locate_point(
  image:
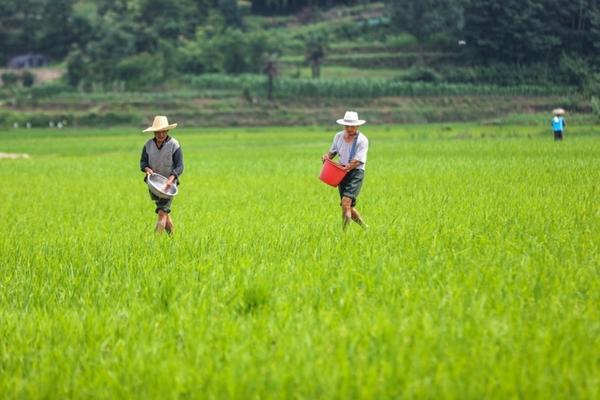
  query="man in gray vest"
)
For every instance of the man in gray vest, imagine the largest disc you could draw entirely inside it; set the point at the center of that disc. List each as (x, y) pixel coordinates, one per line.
(162, 155)
(351, 146)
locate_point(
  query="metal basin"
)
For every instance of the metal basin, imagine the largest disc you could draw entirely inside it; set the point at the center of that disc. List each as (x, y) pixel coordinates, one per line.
(156, 184)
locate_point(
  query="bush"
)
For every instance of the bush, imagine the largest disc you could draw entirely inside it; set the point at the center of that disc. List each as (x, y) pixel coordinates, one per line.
(27, 78)
(575, 71)
(401, 40)
(140, 70)
(503, 75)
(595, 102)
(75, 67)
(9, 78)
(421, 74)
(49, 90)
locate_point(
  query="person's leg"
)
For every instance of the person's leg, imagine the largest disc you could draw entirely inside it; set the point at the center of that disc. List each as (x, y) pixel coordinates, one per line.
(350, 188)
(162, 221)
(356, 217)
(163, 208)
(169, 227)
(346, 204)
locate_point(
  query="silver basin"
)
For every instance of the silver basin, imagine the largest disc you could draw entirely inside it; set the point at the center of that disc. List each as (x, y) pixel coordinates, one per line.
(156, 184)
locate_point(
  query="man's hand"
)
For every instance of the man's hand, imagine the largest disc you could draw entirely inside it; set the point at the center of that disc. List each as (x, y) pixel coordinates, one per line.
(351, 165)
(326, 156)
(169, 182)
(148, 171)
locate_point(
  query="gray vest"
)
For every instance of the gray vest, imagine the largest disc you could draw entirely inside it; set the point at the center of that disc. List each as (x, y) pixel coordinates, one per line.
(161, 161)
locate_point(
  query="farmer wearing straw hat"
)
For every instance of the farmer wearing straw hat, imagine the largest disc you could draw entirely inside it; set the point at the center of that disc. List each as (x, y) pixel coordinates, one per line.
(162, 154)
(558, 123)
(351, 146)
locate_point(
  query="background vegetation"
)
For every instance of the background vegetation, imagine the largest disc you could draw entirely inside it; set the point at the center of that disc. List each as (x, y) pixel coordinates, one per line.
(291, 50)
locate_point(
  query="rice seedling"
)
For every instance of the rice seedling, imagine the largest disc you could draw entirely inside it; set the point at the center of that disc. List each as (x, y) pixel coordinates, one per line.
(478, 277)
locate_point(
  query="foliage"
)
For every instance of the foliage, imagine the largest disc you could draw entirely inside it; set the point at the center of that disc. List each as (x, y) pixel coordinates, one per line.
(527, 31)
(27, 78)
(424, 18)
(595, 103)
(575, 71)
(316, 47)
(289, 6)
(140, 70)
(76, 67)
(421, 74)
(9, 78)
(369, 88)
(102, 42)
(233, 51)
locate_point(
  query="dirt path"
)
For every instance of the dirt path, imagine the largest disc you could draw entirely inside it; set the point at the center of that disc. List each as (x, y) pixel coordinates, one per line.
(42, 75)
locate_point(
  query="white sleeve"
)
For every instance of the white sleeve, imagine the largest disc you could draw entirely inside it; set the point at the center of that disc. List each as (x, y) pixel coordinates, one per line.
(361, 151)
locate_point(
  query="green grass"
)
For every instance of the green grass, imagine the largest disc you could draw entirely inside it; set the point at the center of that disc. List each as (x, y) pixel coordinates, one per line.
(340, 72)
(478, 277)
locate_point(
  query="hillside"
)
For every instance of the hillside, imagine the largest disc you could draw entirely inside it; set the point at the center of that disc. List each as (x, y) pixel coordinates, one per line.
(325, 61)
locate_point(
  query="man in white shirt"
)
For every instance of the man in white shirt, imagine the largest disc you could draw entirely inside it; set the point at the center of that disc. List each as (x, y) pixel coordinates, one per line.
(351, 146)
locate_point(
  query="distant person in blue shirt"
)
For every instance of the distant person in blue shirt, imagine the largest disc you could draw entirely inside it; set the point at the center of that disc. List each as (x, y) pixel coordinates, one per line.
(558, 124)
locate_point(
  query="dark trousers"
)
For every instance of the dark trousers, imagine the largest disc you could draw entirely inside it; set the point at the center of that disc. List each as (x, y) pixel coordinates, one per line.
(558, 135)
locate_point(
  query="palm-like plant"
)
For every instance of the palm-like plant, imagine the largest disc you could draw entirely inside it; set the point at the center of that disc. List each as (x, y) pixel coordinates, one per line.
(271, 69)
(314, 52)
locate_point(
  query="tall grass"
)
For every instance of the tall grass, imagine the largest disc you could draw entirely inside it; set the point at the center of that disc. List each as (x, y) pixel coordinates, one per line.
(478, 277)
(367, 87)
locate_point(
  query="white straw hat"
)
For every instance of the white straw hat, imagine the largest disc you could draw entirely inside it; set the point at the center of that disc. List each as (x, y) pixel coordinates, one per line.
(351, 119)
(161, 123)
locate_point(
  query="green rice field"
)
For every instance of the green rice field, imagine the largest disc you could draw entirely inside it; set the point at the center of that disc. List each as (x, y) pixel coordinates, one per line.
(478, 277)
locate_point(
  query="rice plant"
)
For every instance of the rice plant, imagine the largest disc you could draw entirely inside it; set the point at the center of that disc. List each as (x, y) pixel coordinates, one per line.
(478, 277)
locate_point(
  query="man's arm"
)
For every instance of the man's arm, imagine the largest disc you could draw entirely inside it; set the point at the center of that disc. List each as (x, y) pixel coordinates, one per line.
(329, 155)
(144, 165)
(177, 167)
(177, 163)
(352, 164)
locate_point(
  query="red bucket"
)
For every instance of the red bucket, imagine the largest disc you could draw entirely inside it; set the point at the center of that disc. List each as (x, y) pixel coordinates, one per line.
(332, 173)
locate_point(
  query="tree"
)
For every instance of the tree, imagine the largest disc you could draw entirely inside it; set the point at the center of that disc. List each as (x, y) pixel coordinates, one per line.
(27, 78)
(231, 13)
(56, 28)
(314, 52)
(526, 31)
(271, 70)
(75, 67)
(114, 41)
(290, 6)
(425, 18)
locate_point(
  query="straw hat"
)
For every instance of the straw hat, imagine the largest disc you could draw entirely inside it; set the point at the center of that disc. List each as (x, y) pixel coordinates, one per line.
(351, 119)
(558, 111)
(161, 123)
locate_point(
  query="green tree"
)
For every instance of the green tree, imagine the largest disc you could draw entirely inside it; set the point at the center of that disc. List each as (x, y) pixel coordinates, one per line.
(425, 18)
(114, 41)
(140, 70)
(76, 67)
(271, 69)
(315, 49)
(231, 12)
(525, 31)
(27, 78)
(56, 28)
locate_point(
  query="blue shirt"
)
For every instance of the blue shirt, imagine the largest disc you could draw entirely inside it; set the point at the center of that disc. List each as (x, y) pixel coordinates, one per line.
(558, 124)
